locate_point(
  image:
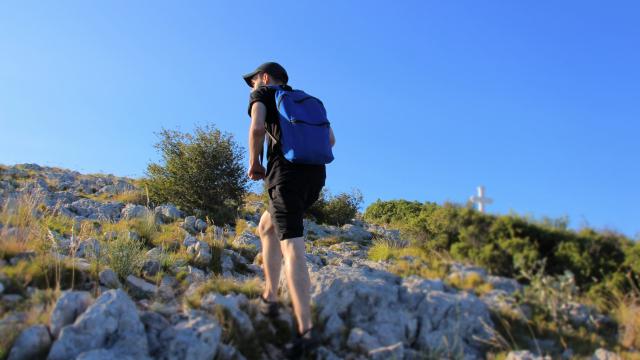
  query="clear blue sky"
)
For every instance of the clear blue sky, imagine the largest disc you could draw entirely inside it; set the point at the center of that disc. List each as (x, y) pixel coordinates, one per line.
(537, 100)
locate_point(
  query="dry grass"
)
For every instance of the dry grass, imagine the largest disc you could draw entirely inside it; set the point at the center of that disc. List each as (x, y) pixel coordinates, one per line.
(471, 282)
(251, 288)
(627, 314)
(242, 226)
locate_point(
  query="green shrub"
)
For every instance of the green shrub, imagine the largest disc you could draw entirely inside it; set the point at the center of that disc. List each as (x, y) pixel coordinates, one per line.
(506, 245)
(202, 173)
(125, 255)
(336, 210)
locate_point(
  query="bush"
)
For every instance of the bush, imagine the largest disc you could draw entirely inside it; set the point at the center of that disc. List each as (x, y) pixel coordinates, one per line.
(509, 244)
(125, 255)
(202, 174)
(336, 210)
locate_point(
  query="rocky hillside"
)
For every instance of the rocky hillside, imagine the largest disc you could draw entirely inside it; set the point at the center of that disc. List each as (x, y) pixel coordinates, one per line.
(88, 271)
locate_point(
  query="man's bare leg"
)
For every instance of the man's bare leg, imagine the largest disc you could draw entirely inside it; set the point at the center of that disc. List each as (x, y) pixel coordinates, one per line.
(298, 280)
(271, 256)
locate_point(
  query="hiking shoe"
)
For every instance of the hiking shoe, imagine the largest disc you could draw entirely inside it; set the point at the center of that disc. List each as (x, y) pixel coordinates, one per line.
(268, 308)
(304, 345)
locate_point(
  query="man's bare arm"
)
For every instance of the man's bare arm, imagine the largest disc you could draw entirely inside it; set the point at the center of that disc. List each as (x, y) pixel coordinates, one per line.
(256, 136)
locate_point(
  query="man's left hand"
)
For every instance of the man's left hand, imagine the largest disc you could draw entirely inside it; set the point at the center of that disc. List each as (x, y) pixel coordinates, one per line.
(256, 172)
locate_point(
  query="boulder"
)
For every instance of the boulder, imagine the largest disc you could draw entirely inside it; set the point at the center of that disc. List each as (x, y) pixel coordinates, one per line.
(200, 225)
(201, 253)
(111, 325)
(355, 233)
(360, 341)
(88, 248)
(150, 267)
(32, 343)
(133, 211)
(414, 311)
(508, 285)
(154, 325)
(109, 279)
(525, 355)
(189, 240)
(248, 238)
(231, 303)
(140, 288)
(68, 307)
(193, 339)
(189, 224)
(95, 210)
(168, 213)
(603, 354)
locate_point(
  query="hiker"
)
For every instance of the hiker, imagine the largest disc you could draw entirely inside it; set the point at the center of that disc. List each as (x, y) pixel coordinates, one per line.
(292, 188)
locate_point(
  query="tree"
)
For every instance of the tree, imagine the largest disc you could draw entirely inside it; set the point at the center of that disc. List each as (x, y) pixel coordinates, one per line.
(201, 174)
(336, 210)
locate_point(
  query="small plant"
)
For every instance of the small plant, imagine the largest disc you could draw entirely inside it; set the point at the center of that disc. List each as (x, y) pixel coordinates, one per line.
(125, 255)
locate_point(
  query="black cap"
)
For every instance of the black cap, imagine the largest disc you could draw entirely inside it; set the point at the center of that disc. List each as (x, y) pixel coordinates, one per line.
(272, 68)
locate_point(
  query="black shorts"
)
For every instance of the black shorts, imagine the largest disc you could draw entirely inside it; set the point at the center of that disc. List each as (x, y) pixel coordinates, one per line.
(287, 204)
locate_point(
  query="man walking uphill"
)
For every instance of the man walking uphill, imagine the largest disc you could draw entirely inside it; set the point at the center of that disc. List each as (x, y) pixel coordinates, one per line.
(293, 186)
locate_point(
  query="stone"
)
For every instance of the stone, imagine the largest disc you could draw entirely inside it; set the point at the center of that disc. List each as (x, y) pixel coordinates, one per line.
(227, 264)
(95, 210)
(201, 253)
(359, 340)
(200, 225)
(189, 224)
(32, 343)
(510, 286)
(228, 352)
(168, 213)
(189, 240)
(194, 275)
(109, 279)
(140, 288)
(154, 325)
(88, 248)
(11, 300)
(603, 354)
(193, 339)
(165, 290)
(423, 285)
(355, 233)
(68, 307)
(525, 355)
(232, 305)
(414, 311)
(150, 267)
(133, 235)
(133, 211)
(502, 302)
(111, 323)
(248, 238)
(22, 256)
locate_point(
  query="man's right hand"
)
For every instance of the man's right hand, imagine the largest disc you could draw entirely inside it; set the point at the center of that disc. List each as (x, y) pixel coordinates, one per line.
(256, 172)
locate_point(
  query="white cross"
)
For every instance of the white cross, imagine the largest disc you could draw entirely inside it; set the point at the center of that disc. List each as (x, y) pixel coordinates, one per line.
(480, 199)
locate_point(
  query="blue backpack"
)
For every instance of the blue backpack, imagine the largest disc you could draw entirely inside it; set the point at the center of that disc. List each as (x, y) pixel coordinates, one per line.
(304, 127)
